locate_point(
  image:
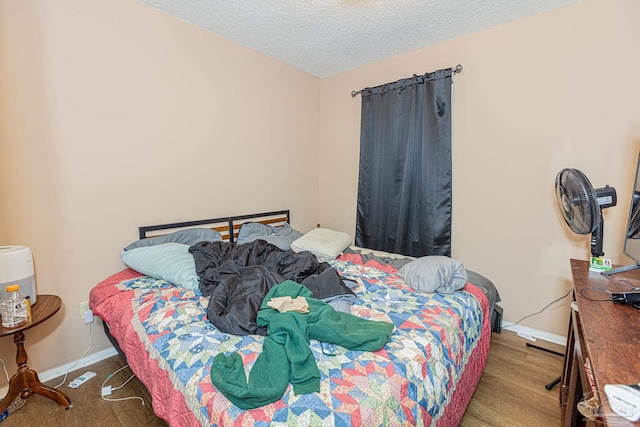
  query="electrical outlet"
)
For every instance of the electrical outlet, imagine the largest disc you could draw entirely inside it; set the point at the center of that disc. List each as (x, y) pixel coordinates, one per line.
(84, 307)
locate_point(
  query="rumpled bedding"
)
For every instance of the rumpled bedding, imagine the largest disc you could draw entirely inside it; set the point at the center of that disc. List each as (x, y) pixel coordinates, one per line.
(425, 374)
(286, 357)
(394, 262)
(236, 279)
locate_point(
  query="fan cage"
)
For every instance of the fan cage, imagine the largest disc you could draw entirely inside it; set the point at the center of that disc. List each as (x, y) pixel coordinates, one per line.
(578, 201)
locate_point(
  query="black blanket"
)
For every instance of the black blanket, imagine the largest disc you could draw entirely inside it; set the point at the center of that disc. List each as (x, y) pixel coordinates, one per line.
(237, 278)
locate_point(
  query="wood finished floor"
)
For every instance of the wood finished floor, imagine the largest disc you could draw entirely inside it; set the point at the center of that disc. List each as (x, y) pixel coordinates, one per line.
(511, 393)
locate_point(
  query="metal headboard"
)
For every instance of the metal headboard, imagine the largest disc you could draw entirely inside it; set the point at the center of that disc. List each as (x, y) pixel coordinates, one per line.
(228, 227)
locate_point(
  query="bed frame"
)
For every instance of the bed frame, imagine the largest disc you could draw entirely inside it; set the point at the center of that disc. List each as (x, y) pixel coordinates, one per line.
(228, 227)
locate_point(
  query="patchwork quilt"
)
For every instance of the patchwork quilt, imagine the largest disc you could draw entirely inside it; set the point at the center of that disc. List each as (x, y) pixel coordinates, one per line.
(425, 375)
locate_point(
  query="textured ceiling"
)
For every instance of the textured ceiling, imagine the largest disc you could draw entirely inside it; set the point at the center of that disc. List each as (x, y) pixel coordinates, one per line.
(326, 37)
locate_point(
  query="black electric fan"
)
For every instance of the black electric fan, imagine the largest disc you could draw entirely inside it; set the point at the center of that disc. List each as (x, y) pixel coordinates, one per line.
(581, 205)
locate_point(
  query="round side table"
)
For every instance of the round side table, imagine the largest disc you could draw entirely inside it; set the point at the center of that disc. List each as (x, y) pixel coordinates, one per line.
(25, 382)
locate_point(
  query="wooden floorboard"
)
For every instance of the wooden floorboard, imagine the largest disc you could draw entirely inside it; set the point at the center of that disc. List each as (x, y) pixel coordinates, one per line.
(88, 407)
(511, 393)
(512, 389)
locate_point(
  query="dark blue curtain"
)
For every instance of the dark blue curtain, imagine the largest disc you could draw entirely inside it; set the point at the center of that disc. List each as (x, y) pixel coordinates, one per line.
(404, 183)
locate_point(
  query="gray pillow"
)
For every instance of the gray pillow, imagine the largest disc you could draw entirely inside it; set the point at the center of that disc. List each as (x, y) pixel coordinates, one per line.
(282, 236)
(434, 274)
(252, 230)
(285, 230)
(189, 237)
(282, 242)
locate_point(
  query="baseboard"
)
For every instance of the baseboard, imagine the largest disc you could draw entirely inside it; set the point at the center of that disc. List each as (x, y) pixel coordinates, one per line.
(60, 371)
(533, 333)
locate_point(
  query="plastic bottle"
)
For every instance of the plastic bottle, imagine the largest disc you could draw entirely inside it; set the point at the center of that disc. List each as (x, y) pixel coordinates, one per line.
(14, 406)
(14, 307)
(28, 309)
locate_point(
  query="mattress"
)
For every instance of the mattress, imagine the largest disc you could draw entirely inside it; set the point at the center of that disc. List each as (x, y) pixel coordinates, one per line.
(425, 374)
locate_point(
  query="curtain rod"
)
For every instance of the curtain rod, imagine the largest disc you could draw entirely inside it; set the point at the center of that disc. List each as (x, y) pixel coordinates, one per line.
(456, 70)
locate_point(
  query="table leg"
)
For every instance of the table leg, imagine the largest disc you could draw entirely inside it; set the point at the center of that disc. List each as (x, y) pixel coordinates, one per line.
(25, 382)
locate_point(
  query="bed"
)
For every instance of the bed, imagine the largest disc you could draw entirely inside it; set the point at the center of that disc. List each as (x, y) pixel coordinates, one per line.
(424, 375)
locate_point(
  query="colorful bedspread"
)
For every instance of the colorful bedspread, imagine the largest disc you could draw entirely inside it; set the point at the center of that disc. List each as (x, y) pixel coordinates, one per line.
(425, 375)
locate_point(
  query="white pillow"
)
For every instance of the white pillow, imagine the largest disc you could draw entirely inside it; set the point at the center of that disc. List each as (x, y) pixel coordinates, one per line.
(323, 243)
(434, 273)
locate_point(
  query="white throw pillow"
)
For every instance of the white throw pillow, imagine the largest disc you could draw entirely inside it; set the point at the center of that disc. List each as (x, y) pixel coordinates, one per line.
(325, 244)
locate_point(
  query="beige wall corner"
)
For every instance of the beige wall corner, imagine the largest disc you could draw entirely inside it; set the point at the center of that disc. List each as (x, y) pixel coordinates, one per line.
(536, 95)
(115, 115)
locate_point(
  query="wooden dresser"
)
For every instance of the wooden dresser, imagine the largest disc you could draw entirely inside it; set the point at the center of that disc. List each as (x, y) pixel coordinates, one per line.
(606, 334)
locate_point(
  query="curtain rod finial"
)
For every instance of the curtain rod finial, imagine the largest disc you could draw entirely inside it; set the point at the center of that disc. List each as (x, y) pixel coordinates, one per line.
(354, 93)
(457, 69)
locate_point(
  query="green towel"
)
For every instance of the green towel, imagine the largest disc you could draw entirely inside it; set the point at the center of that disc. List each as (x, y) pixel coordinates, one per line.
(286, 356)
(227, 373)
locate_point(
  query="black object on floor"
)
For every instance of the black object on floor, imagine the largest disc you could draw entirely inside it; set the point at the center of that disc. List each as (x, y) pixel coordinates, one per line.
(556, 381)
